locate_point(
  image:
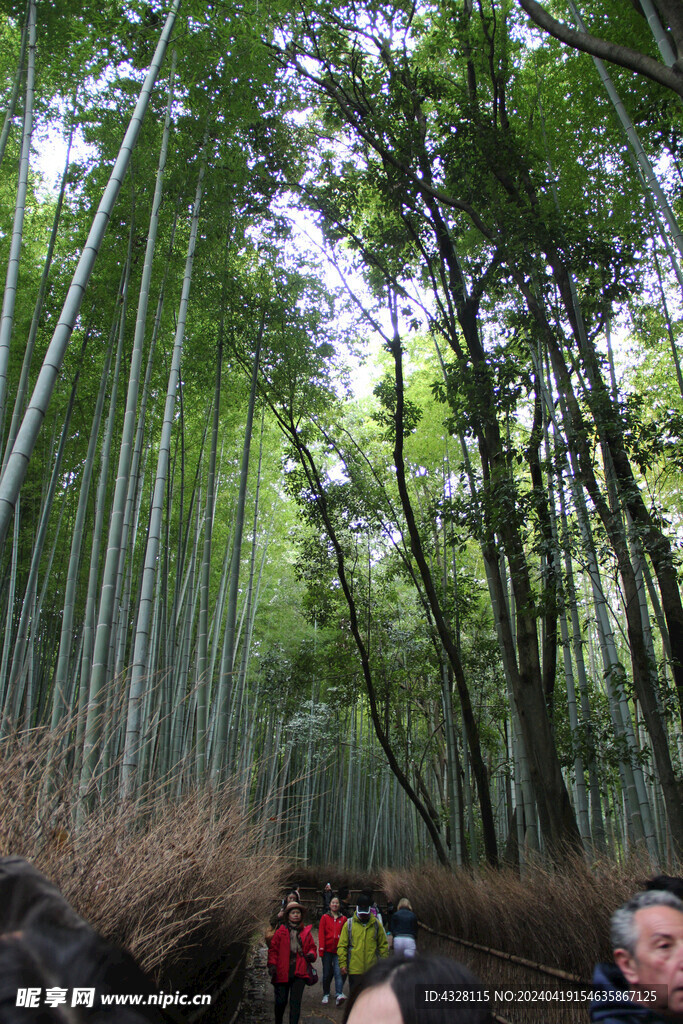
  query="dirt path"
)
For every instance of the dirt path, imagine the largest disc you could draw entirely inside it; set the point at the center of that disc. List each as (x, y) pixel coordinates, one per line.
(257, 1002)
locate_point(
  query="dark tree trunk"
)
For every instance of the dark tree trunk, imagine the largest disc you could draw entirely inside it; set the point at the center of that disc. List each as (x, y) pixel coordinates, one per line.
(450, 647)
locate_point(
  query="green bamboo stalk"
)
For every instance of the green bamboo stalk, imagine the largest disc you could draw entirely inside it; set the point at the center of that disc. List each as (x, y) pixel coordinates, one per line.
(203, 680)
(17, 464)
(142, 629)
(251, 605)
(101, 646)
(22, 388)
(646, 168)
(62, 675)
(660, 36)
(39, 679)
(669, 326)
(121, 507)
(127, 565)
(225, 683)
(11, 106)
(90, 618)
(597, 823)
(639, 807)
(16, 681)
(9, 614)
(9, 297)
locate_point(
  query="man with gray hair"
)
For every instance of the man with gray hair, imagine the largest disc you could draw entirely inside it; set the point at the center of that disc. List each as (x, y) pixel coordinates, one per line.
(645, 982)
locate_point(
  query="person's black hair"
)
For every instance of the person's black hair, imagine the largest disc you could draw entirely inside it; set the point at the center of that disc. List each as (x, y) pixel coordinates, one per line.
(24, 964)
(667, 883)
(404, 977)
(19, 968)
(44, 943)
(363, 904)
(63, 958)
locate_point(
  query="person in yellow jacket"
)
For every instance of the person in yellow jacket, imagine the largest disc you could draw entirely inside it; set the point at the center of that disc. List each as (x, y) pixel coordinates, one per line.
(362, 942)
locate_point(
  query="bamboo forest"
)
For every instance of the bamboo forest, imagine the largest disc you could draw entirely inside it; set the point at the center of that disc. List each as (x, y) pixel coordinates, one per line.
(341, 418)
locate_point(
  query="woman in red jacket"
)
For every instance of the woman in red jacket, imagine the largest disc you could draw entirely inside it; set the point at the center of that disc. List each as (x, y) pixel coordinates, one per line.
(329, 931)
(291, 951)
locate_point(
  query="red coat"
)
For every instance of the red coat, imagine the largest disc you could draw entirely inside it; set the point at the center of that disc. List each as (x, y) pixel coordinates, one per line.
(278, 953)
(329, 932)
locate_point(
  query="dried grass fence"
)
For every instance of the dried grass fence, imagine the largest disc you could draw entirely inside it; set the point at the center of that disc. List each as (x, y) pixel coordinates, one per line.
(539, 933)
(183, 884)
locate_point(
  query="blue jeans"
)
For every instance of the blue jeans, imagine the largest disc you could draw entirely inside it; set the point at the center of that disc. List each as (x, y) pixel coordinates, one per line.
(330, 967)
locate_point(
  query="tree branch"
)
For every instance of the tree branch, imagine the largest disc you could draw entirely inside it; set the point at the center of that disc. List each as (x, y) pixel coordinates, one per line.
(624, 56)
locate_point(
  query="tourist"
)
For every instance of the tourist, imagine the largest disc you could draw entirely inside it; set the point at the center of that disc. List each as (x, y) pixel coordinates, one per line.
(343, 894)
(327, 896)
(331, 924)
(399, 991)
(291, 953)
(645, 982)
(362, 942)
(278, 916)
(45, 944)
(404, 929)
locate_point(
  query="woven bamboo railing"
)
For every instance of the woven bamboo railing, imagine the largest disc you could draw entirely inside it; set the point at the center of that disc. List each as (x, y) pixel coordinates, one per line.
(552, 972)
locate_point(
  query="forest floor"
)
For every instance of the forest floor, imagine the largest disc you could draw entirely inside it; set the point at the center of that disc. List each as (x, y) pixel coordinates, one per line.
(257, 1000)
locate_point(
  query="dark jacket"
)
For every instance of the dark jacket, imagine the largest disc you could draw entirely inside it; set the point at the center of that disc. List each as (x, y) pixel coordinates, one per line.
(327, 899)
(608, 980)
(344, 905)
(404, 922)
(278, 954)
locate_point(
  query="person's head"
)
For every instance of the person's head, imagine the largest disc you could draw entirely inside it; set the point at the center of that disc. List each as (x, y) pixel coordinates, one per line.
(667, 883)
(363, 907)
(292, 897)
(294, 914)
(647, 944)
(388, 993)
(44, 943)
(335, 904)
(328, 887)
(20, 968)
(404, 904)
(57, 957)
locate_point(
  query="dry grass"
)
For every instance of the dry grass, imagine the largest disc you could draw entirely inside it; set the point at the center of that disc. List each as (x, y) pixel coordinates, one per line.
(556, 917)
(314, 876)
(559, 917)
(184, 877)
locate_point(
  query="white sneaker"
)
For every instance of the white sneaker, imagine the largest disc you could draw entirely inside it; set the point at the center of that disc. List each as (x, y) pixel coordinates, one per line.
(340, 999)
(326, 1000)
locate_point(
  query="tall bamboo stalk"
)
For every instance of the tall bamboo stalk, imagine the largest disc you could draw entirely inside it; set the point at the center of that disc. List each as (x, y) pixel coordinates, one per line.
(17, 464)
(225, 683)
(16, 86)
(143, 624)
(9, 297)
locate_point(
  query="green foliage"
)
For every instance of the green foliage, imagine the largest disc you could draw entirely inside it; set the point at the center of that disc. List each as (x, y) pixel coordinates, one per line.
(456, 169)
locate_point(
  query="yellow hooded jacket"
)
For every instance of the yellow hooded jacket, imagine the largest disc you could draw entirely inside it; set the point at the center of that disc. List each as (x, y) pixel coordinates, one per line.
(368, 944)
